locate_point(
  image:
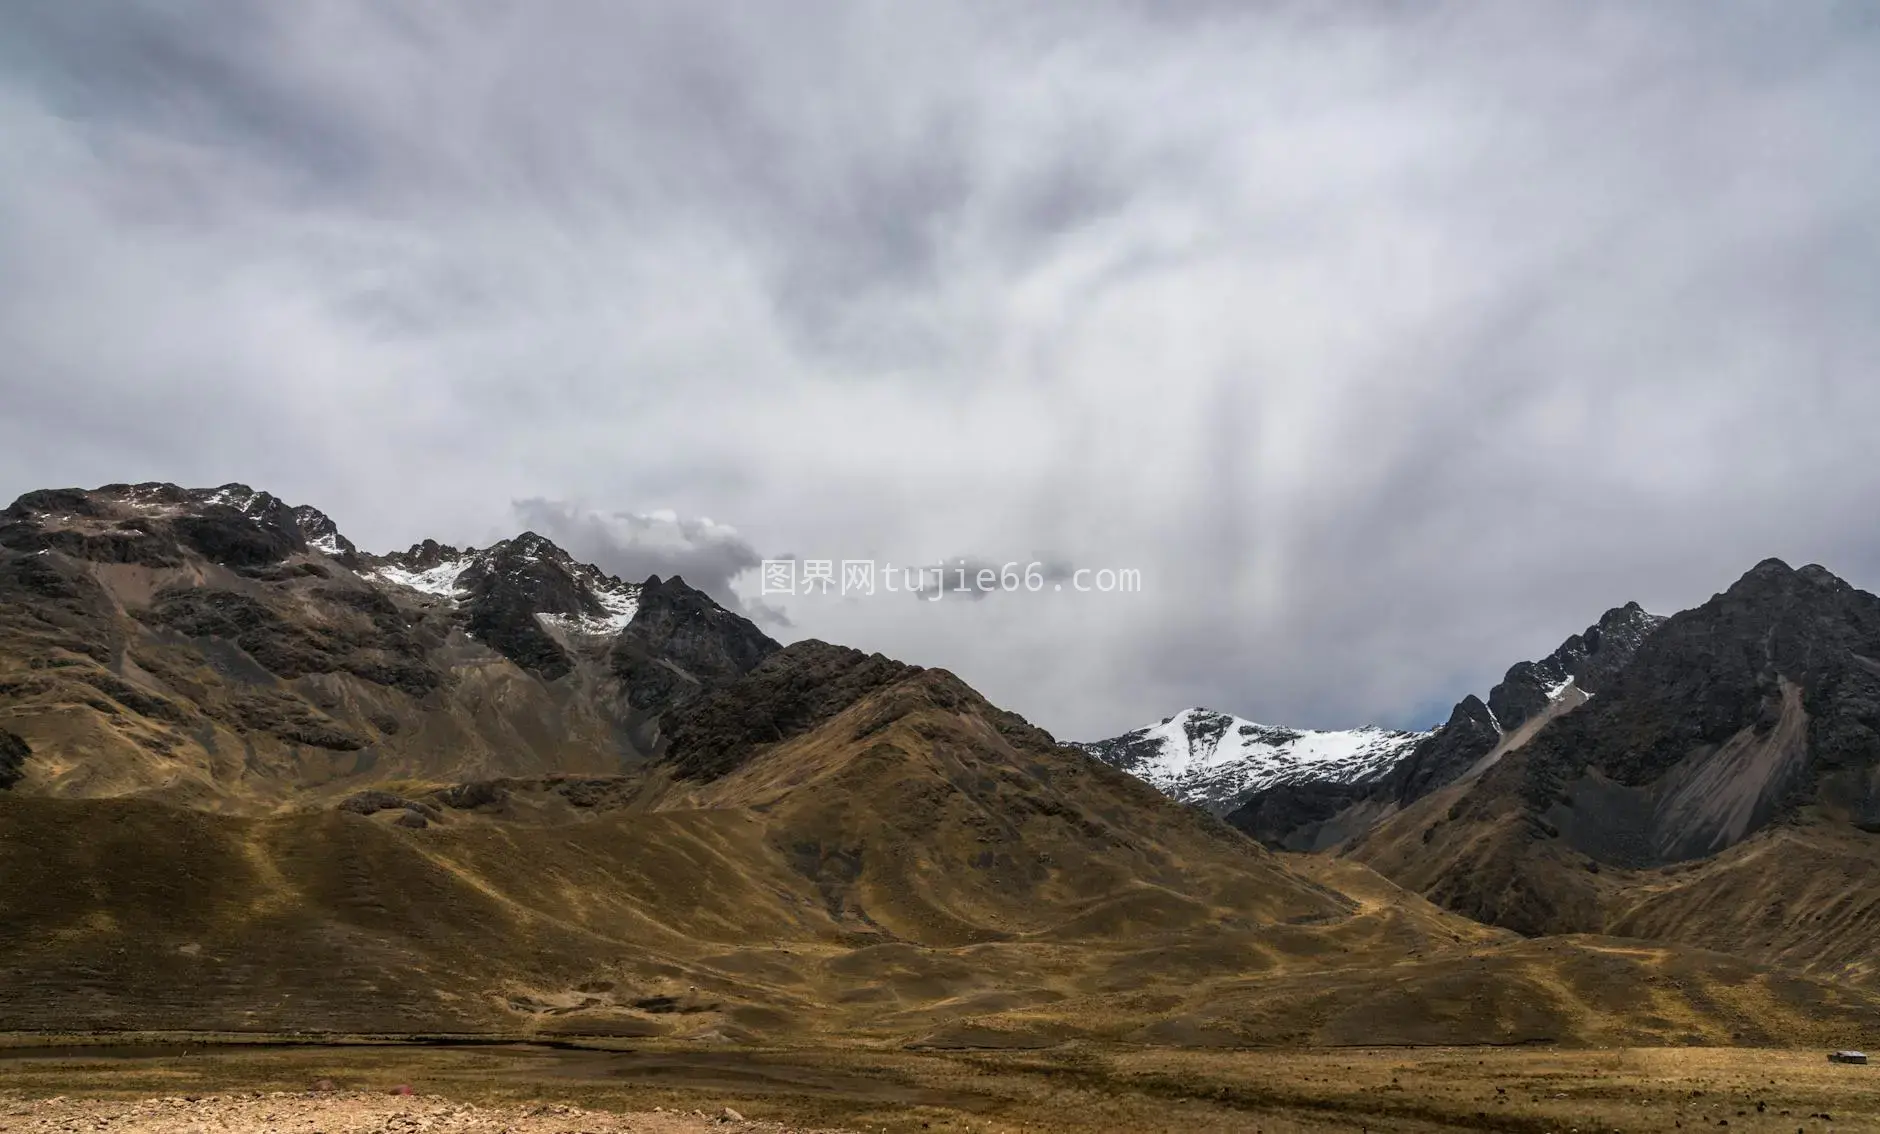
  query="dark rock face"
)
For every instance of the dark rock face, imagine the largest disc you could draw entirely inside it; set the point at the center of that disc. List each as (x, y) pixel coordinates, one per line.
(508, 587)
(1129, 752)
(57, 501)
(47, 605)
(127, 544)
(1590, 660)
(681, 643)
(260, 622)
(1206, 729)
(789, 693)
(13, 754)
(319, 531)
(232, 538)
(423, 556)
(292, 720)
(1470, 734)
(376, 646)
(472, 795)
(598, 793)
(370, 802)
(1730, 715)
(148, 705)
(40, 521)
(1291, 816)
(154, 525)
(1760, 707)
(1283, 816)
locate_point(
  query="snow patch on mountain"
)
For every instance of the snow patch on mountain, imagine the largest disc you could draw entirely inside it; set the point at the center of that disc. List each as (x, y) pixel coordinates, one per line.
(621, 601)
(1557, 689)
(440, 579)
(1216, 760)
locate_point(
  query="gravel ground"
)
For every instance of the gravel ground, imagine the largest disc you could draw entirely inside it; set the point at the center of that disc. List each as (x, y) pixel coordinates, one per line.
(352, 1112)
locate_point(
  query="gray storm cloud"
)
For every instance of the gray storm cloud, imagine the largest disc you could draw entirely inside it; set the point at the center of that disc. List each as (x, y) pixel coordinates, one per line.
(1391, 343)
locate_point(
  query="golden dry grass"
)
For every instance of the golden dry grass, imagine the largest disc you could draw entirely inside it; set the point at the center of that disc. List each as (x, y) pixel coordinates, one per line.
(1081, 1088)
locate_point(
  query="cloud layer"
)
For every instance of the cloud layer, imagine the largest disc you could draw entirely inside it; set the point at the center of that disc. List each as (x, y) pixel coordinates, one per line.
(1390, 343)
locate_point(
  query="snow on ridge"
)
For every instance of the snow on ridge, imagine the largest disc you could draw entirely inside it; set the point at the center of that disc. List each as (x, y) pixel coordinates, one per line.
(620, 601)
(240, 497)
(1216, 760)
(440, 580)
(450, 578)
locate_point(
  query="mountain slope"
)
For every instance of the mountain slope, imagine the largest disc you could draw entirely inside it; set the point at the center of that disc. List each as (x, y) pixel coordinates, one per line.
(1727, 775)
(883, 844)
(895, 862)
(218, 647)
(1321, 815)
(1584, 664)
(1216, 760)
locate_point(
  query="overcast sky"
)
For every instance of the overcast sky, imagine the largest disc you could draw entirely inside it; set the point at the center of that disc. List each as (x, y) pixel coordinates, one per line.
(1390, 342)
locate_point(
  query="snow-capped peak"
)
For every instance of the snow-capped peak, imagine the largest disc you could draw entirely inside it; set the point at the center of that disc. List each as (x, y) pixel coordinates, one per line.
(560, 593)
(1215, 760)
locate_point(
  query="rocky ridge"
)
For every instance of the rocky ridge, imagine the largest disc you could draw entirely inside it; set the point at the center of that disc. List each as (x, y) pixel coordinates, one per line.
(1321, 815)
(220, 643)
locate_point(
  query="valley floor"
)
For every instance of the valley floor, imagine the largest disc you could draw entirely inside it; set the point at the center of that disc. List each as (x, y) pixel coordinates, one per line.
(170, 1084)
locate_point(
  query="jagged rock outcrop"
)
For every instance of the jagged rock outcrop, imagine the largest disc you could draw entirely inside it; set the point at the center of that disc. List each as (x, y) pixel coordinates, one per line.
(1586, 661)
(323, 535)
(506, 591)
(680, 644)
(1470, 734)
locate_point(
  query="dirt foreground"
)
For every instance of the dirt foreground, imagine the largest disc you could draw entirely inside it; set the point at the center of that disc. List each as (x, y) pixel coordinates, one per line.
(353, 1112)
(236, 1088)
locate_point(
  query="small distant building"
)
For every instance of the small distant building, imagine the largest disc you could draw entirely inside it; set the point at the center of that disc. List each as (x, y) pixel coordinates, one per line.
(1847, 1057)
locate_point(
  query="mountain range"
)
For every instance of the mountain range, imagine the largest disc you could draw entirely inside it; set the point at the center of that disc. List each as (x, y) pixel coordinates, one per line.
(1307, 789)
(255, 779)
(1711, 778)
